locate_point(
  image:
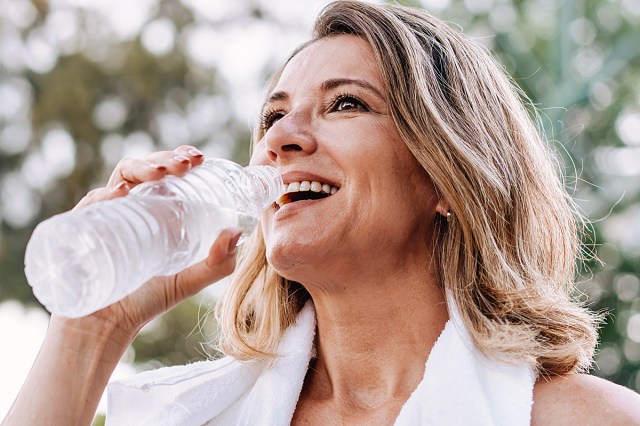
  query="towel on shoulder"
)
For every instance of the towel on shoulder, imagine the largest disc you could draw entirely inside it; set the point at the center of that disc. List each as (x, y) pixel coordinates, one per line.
(460, 386)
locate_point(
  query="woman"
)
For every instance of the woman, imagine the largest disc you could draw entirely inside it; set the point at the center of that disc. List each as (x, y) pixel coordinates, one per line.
(424, 221)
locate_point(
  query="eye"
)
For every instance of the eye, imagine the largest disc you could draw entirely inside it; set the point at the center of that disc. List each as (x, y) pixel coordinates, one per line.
(348, 103)
(269, 117)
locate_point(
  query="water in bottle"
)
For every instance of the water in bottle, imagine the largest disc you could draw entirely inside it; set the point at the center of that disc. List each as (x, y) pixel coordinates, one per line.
(83, 260)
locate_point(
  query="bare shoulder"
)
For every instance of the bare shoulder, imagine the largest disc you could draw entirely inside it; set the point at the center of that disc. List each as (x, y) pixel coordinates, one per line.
(585, 400)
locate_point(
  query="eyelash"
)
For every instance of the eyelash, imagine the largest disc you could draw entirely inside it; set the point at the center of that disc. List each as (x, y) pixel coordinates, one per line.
(269, 116)
(347, 97)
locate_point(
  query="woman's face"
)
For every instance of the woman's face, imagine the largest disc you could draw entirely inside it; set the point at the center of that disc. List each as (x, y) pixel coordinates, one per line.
(327, 122)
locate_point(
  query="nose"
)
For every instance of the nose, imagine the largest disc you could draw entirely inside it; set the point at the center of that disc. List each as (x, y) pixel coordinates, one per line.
(290, 137)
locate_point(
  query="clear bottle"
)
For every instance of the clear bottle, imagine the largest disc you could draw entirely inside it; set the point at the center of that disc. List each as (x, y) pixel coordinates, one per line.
(84, 260)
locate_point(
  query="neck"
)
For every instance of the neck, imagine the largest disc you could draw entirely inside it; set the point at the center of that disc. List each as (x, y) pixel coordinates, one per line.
(374, 336)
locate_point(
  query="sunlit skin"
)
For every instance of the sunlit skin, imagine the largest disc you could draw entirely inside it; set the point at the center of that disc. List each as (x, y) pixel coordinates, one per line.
(330, 119)
(365, 253)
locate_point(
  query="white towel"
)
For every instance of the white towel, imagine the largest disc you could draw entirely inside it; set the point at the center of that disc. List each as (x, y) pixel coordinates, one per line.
(274, 396)
(225, 391)
(460, 387)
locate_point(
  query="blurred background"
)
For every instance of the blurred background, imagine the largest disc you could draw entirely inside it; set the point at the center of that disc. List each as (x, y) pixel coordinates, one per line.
(85, 83)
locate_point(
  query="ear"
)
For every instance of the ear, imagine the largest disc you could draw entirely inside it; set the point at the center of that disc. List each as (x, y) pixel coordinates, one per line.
(443, 207)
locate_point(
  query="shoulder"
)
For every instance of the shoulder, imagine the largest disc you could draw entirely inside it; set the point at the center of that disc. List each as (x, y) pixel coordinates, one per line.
(585, 400)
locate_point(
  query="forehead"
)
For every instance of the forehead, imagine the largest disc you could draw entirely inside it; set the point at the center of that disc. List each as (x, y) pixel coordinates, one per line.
(342, 56)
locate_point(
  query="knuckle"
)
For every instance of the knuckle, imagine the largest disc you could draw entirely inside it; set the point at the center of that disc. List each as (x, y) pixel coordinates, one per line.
(123, 162)
(94, 193)
(92, 197)
(123, 165)
(174, 292)
(155, 154)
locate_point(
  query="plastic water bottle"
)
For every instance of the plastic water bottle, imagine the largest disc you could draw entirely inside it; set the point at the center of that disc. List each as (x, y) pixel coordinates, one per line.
(84, 260)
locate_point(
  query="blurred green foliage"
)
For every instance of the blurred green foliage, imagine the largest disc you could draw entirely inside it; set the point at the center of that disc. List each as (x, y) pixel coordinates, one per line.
(102, 96)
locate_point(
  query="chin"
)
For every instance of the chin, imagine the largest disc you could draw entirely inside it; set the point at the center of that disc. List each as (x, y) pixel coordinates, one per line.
(294, 260)
(286, 257)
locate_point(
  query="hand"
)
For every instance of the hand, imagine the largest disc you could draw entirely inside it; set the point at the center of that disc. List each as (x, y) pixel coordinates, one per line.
(163, 292)
(93, 345)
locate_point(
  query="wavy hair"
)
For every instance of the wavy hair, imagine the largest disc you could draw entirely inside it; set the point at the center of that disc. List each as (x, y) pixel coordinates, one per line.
(507, 257)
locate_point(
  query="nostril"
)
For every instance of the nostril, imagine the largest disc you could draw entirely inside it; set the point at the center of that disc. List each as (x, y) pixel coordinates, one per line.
(274, 153)
(291, 147)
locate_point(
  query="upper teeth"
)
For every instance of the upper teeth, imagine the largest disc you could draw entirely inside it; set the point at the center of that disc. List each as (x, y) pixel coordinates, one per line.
(314, 186)
(306, 185)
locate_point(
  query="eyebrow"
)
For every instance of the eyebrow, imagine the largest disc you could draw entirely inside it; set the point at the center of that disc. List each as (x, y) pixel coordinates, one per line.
(337, 82)
(326, 86)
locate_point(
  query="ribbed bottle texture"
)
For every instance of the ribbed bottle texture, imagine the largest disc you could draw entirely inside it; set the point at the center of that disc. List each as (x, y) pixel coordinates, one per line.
(84, 260)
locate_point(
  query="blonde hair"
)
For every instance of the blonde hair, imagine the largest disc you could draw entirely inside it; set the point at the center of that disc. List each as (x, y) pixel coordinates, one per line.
(508, 255)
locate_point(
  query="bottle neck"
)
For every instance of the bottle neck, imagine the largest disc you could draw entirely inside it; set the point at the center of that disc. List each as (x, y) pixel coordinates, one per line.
(267, 183)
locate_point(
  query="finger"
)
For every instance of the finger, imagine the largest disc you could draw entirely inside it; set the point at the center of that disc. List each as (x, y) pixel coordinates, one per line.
(156, 165)
(176, 163)
(102, 194)
(191, 152)
(133, 171)
(220, 263)
(179, 161)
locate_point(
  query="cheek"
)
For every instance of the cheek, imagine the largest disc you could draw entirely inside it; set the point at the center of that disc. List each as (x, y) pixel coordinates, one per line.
(259, 155)
(405, 197)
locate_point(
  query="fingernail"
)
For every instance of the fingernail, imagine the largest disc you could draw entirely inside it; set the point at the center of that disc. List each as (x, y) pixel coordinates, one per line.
(195, 153)
(233, 243)
(156, 167)
(181, 159)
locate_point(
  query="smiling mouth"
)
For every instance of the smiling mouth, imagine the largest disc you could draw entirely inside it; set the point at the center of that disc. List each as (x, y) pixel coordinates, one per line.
(305, 190)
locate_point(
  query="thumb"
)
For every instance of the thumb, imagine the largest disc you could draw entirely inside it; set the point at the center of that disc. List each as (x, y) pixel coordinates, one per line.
(220, 262)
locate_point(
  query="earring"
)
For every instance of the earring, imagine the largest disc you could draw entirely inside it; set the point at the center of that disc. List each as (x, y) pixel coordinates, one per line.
(448, 216)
